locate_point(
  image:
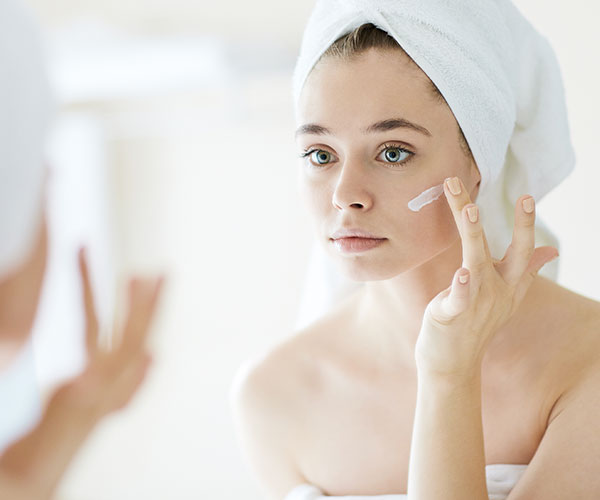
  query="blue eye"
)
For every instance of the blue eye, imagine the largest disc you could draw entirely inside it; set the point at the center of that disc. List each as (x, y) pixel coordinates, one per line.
(396, 154)
(322, 156)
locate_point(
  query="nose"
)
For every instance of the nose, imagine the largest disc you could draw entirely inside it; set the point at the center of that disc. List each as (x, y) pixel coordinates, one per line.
(351, 188)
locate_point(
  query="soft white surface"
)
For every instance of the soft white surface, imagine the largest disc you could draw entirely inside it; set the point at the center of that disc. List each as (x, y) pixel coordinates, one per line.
(500, 478)
(19, 397)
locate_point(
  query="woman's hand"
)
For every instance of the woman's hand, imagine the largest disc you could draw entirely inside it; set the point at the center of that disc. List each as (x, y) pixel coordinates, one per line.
(32, 467)
(112, 377)
(460, 321)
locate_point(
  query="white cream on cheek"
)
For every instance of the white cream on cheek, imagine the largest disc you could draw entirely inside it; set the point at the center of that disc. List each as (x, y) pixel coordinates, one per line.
(426, 197)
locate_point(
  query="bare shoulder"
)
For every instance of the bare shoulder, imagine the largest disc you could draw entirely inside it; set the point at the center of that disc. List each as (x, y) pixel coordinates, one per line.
(291, 371)
(575, 315)
(575, 321)
(570, 444)
(267, 398)
(285, 372)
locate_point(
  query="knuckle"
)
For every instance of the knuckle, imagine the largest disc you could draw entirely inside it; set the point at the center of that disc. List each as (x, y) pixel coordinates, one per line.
(525, 252)
(474, 234)
(478, 266)
(522, 251)
(528, 221)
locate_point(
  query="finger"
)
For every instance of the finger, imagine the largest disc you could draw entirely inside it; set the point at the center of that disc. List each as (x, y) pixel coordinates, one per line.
(521, 248)
(91, 318)
(541, 256)
(457, 301)
(143, 299)
(458, 197)
(475, 257)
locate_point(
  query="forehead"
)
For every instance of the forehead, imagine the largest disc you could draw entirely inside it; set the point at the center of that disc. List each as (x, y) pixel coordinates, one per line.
(372, 82)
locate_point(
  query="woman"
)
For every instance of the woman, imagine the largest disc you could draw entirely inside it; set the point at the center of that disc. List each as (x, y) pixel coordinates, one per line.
(455, 370)
(31, 467)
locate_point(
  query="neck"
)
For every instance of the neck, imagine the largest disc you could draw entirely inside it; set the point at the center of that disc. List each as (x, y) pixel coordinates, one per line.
(389, 314)
(391, 311)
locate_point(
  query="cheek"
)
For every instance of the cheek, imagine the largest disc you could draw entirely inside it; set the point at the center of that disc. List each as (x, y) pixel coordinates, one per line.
(316, 197)
(435, 222)
(427, 231)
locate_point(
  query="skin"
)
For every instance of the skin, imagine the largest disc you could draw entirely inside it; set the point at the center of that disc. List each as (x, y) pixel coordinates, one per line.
(459, 322)
(334, 404)
(423, 249)
(19, 298)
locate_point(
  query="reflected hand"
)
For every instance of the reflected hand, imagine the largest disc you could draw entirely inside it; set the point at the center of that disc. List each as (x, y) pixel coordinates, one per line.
(112, 377)
(32, 467)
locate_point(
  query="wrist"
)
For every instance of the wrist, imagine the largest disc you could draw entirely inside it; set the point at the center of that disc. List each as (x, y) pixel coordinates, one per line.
(75, 407)
(442, 381)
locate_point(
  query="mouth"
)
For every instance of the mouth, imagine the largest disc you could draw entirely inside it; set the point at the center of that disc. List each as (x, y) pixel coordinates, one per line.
(356, 244)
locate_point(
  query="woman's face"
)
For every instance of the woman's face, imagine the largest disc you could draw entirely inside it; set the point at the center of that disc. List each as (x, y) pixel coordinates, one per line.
(361, 179)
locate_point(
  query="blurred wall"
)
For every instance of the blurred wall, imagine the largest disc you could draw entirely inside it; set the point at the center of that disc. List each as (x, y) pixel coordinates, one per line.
(269, 20)
(202, 184)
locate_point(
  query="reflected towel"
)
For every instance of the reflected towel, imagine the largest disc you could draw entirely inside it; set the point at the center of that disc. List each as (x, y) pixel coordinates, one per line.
(26, 110)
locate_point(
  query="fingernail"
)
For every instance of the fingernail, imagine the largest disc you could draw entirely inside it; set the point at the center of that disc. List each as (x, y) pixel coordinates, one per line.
(528, 205)
(472, 213)
(454, 185)
(463, 278)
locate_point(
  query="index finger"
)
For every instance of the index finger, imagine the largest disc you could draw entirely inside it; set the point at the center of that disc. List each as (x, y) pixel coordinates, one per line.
(458, 197)
(91, 318)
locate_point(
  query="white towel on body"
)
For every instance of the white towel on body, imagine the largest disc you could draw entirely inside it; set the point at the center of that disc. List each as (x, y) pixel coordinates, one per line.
(26, 110)
(500, 478)
(501, 79)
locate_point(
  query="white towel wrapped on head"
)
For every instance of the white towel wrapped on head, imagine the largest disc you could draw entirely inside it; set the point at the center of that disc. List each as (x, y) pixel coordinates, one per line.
(26, 109)
(500, 78)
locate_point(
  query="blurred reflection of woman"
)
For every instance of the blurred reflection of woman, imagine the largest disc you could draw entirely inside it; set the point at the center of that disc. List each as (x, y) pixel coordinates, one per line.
(31, 467)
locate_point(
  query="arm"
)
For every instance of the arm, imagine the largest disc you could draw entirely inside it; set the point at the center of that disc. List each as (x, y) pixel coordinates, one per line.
(40, 459)
(447, 458)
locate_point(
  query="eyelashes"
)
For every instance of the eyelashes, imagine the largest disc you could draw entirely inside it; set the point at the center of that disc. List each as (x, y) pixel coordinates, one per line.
(386, 147)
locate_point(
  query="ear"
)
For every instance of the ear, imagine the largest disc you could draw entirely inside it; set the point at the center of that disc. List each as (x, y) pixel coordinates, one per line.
(475, 171)
(476, 176)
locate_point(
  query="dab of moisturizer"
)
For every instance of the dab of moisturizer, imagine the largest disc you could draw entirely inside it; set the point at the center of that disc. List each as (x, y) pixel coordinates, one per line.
(426, 197)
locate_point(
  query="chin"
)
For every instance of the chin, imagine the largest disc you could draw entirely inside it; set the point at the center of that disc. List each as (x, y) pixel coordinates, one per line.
(385, 265)
(365, 267)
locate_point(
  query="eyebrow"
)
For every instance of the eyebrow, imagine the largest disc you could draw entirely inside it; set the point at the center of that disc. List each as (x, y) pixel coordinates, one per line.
(381, 126)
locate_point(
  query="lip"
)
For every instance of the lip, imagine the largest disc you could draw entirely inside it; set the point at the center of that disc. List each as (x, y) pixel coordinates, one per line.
(354, 233)
(353, 240)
